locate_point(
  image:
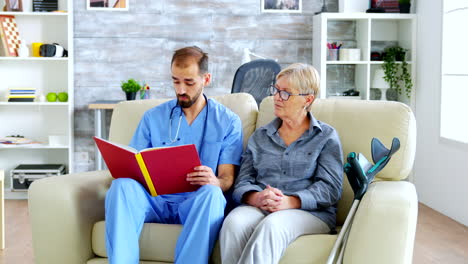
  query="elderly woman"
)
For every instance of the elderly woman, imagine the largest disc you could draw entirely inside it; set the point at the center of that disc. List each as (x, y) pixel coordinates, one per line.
(290, 178)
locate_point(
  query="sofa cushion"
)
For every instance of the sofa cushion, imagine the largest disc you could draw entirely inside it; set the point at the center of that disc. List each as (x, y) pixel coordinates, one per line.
(309, 249)
(106, 261)
(165, 236)
(127, 115)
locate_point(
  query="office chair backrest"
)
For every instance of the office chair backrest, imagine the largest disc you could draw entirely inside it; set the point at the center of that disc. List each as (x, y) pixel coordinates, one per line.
(255, 78)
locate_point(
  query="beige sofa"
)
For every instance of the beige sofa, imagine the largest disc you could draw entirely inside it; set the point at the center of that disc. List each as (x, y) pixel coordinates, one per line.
(67, 212)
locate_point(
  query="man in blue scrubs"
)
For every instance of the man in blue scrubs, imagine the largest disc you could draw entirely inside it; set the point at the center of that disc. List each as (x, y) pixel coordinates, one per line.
(191, 119)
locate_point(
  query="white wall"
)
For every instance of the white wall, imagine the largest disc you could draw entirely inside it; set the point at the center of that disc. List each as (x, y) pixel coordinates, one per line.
(440, 171)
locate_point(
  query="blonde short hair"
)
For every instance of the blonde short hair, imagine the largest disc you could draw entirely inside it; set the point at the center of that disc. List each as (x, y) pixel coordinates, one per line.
(302, 77)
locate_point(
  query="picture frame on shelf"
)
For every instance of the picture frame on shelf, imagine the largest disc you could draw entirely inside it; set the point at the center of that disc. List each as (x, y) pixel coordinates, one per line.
(107, 5)
(281, 6)
(14, 5)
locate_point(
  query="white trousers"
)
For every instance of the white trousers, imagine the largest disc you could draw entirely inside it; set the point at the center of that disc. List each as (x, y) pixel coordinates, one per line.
(250, 235)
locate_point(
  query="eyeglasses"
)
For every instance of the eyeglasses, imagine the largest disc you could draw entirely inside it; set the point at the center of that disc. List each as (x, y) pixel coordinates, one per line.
(283, 94)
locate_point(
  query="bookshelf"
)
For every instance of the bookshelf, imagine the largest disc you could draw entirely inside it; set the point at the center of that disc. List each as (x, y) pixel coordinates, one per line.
(40, 119)
(369, 33)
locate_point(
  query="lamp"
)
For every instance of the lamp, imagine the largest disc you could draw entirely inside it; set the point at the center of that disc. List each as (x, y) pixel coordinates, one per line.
(379, 82)
(248, 53)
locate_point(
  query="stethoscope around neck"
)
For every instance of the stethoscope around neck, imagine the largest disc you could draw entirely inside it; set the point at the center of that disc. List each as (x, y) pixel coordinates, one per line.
(176, 137)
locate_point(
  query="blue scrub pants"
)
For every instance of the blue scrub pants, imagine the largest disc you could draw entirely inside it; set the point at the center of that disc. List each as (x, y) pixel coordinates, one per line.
(129, 206)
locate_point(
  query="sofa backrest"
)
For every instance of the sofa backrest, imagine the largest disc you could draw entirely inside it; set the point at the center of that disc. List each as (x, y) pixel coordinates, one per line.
(127, 115)
(357, 122)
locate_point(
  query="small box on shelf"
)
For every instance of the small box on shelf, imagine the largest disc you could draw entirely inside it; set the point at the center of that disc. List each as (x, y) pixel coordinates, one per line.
(350, 54)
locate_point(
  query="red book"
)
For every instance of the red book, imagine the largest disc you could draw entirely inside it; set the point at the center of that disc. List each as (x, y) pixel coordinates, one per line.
(159, 170)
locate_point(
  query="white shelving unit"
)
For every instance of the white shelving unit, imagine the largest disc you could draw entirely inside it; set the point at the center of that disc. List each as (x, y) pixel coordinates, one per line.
(369, 33)
(38, 120)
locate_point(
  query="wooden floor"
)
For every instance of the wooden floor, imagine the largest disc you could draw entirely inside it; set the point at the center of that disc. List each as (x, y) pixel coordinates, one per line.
(18, 241)
(439, 239)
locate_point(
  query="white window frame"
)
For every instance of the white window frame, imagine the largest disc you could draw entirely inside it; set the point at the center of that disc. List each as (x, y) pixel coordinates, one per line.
(450, 6)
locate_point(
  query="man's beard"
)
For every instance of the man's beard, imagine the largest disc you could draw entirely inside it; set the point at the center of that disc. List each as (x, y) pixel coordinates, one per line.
(190, 101)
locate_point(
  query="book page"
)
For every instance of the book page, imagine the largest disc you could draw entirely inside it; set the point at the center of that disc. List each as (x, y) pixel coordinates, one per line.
(128, 148)
(149, 149)
(155, 148)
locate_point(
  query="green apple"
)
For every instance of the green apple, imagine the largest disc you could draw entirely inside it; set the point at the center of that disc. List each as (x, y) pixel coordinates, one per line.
(63, 97)
(51, 97)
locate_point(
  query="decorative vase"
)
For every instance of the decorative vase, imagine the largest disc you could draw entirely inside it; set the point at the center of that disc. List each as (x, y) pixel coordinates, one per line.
(405, 8)
(130, 95)
(392, 95)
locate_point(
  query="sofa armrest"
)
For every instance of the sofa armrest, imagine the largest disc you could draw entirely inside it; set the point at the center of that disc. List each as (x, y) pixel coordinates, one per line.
(63, 210)
(384, 226)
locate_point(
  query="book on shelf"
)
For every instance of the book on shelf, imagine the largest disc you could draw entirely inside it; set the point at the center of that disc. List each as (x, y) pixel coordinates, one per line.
(22, 90)
(17, 140)
(21, 93)
(9, 36)
(159, 170)
(18, 97)
(21, 99)
(21, 96)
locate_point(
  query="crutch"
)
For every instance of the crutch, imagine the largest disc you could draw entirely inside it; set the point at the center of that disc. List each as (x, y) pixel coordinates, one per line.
(360, 173)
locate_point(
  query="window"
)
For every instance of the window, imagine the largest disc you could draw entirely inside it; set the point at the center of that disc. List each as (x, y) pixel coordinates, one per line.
(454, 90)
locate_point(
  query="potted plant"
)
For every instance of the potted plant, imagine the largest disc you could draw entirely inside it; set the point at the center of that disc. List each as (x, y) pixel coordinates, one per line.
(404, 5)
(397, 74)
(130, 87)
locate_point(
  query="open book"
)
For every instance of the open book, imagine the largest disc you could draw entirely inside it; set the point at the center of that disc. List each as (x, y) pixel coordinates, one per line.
(159, 170)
